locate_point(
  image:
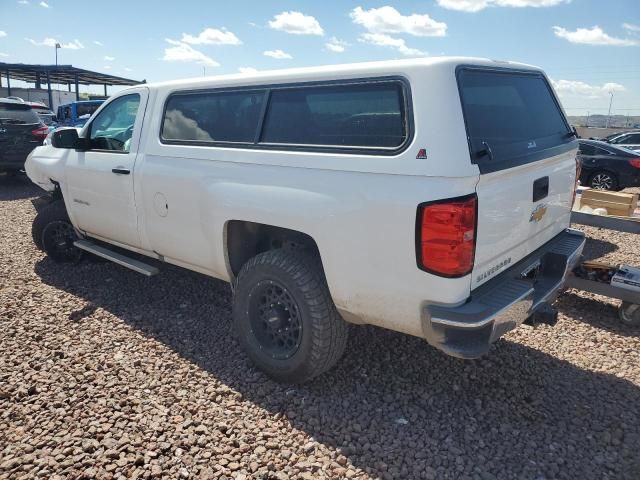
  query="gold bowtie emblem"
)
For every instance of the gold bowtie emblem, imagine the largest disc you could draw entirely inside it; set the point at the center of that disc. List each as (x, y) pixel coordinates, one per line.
(538, 213)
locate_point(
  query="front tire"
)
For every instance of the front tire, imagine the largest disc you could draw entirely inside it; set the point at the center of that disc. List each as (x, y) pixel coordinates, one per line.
(284, 316)
(53, 233)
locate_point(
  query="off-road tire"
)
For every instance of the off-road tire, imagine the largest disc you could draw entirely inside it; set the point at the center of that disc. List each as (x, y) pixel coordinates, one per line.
(323, 331)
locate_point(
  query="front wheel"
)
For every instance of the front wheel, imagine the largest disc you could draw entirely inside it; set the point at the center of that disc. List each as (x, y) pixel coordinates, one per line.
(53, 232)
(284, 316)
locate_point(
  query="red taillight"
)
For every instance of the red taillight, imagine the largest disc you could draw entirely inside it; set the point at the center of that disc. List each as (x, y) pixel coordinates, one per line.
(41, 132)
(635, 162)
(447, 236)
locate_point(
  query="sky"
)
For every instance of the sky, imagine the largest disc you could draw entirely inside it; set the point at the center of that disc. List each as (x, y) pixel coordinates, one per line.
(589, 48)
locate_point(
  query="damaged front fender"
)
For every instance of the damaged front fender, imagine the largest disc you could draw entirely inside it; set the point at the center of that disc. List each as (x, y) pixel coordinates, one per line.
(45, 166)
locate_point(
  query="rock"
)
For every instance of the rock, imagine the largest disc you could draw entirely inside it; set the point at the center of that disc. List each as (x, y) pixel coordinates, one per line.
(156, 471)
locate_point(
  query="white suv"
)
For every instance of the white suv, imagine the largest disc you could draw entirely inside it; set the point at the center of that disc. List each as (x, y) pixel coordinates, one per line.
(427, 196)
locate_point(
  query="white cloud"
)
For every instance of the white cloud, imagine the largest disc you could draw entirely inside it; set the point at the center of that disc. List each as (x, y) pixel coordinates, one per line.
(23, 2)
(212, 36)
(75, 45)
(336, 45)
(3, 33)
(477, 5)
(631, 27)
(182, 52)
(247, 70)
(51, 42)
(4, 54)
(100, 44)
(388, 20)
(388, 41)
(592, 36)
(127, 69)
(279, 54)
(576, 88)
(297, 23)
(107, 67)
(108, 58)
(44, 4)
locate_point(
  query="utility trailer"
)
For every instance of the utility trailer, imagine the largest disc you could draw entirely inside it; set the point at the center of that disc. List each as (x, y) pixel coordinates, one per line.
(596, 277)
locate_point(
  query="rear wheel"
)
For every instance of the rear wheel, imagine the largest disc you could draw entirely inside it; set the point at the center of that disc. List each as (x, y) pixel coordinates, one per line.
(53, 232)
(603, 180)
(284, 316)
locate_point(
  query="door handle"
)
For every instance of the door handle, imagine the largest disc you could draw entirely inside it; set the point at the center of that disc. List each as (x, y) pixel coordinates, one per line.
(121, 171)
(540, 188)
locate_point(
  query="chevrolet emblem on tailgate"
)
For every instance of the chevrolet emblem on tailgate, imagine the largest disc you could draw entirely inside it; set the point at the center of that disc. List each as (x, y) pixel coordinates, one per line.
(538, 213)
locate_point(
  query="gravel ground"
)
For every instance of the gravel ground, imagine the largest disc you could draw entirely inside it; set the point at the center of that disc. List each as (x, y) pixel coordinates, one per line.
(107, 374)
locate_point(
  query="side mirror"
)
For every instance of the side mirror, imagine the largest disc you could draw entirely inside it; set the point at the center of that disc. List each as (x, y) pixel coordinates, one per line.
(68, 138)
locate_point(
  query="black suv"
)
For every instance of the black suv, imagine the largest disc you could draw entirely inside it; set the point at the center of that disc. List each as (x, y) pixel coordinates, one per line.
(21, 130)
(608, 167)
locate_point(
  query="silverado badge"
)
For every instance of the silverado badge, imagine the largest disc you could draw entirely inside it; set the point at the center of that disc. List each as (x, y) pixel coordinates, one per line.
(538, 213)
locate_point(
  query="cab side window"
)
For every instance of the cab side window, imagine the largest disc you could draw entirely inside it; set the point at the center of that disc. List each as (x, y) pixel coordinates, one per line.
(112, 129)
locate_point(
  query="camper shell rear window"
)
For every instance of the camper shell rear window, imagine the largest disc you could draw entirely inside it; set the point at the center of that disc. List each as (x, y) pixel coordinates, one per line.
(512, 117)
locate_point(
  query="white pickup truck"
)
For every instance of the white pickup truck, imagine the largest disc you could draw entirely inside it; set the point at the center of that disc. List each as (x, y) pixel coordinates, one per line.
(427, 196)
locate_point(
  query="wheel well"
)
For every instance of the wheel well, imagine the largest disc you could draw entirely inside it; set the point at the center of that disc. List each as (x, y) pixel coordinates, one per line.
(245, 240)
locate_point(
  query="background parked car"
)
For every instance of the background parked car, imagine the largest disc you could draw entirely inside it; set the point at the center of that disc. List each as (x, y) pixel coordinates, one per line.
(20, 132)
(629, 140)
(608, 167)
(45, 114)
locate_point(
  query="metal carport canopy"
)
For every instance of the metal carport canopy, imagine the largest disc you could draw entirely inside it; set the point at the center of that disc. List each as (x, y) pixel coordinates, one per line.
(60, 74)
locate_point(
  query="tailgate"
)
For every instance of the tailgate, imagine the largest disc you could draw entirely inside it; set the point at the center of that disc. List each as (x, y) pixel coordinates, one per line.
(525, 151)
(510, 223)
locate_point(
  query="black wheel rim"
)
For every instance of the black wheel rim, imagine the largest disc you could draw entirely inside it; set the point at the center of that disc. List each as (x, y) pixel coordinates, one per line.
(57, 240)
(275, 320)
(602, 181)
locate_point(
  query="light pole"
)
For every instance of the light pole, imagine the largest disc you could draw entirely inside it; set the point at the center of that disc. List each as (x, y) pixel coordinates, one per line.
(609, 114)
(57, 47)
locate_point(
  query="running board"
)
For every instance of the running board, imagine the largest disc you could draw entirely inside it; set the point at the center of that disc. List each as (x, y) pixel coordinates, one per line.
(135, 265)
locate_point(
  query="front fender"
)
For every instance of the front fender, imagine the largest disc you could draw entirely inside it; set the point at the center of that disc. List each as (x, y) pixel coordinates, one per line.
(45, 166)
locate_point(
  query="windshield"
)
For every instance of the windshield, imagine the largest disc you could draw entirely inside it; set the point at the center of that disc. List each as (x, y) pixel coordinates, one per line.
(510, 114)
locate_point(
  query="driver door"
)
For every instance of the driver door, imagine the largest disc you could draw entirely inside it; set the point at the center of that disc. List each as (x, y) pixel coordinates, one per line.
(99, 181)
